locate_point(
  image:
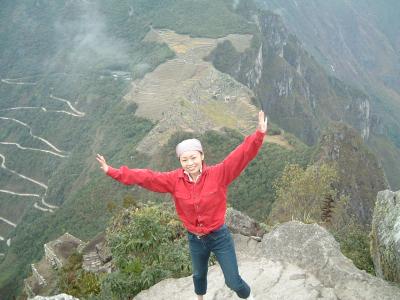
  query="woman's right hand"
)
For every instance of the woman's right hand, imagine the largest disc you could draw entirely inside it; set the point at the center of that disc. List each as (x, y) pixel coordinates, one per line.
(262, 122)
(102, 162)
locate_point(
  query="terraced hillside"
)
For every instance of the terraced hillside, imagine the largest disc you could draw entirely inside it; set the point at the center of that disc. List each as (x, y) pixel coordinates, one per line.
(187, 93)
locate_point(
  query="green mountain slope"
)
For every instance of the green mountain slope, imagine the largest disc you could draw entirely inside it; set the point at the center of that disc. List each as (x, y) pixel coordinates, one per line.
(358, 42)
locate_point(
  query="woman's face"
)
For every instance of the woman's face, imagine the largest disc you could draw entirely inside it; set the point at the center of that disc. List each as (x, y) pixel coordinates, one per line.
(191, 161)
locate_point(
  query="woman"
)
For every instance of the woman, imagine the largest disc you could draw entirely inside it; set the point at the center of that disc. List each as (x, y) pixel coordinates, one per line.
(199, 192)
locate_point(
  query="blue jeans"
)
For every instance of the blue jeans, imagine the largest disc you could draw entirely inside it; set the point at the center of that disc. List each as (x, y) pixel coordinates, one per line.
(219, 242)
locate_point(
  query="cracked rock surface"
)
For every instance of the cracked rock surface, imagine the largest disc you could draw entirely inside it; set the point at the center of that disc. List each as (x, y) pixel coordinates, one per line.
(294, 261)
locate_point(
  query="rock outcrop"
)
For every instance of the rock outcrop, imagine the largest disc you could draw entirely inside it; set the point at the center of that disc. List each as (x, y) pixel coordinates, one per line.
(239, 222)
(294, 261)
(385, 243)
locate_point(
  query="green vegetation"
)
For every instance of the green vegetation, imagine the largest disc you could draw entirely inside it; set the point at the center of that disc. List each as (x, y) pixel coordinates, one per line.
(389, 156)
(360, 175)
(355, 244)
(148, 244)
(223, 56)
(253, 191)
(301, 193)
(74, 281)
(187, 17)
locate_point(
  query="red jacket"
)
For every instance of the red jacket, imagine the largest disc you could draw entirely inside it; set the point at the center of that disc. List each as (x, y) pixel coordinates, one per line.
(201, 206)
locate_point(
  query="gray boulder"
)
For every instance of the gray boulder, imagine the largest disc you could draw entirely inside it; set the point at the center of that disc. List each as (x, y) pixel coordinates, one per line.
(239, 222)
(385, 234)
(313, 248)
(294, 261)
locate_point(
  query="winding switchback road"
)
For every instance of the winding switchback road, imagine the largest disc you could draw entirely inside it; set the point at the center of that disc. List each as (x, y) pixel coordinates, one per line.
(8, 222)
(33, 149)
(77, 112)
(31, 133)
(44, 186)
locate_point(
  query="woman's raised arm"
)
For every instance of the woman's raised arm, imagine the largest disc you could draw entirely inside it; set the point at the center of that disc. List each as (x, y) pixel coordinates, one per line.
(161, 182)
(239, 158)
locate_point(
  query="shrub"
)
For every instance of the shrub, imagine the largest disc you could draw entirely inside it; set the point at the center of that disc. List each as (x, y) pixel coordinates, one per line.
(300, 193)
(354, 244)
(148, 245)
(75, 281)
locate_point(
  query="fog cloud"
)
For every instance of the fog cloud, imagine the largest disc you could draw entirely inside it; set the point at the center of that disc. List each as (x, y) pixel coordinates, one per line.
(235, 3)
(85, 39)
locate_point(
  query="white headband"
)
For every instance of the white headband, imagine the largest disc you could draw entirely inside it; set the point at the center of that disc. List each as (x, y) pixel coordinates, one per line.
(188, 145)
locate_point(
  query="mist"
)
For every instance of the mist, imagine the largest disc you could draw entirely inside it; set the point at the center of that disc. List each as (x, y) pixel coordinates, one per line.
(235, 4)
(84, 42)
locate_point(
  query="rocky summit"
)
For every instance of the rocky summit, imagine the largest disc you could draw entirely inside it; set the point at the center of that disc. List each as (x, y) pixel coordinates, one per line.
(293, 261)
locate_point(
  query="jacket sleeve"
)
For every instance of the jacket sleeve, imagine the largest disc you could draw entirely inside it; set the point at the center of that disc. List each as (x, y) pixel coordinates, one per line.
(238, 159)
(161, 182)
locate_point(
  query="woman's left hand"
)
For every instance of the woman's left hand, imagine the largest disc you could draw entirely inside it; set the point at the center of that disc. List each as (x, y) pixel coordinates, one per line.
(262, 122)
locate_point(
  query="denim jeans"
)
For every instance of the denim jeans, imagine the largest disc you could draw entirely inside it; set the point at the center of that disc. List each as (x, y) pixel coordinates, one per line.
(219, 242)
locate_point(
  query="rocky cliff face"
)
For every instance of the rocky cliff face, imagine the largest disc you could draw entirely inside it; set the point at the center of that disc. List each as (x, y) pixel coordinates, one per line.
(294, 261)
(385, 243)
(361, 176)
(290, 84)
(348, 37)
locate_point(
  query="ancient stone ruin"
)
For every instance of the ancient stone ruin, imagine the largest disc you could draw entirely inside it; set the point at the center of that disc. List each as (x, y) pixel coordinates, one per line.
(97, 256)
(56, 255)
